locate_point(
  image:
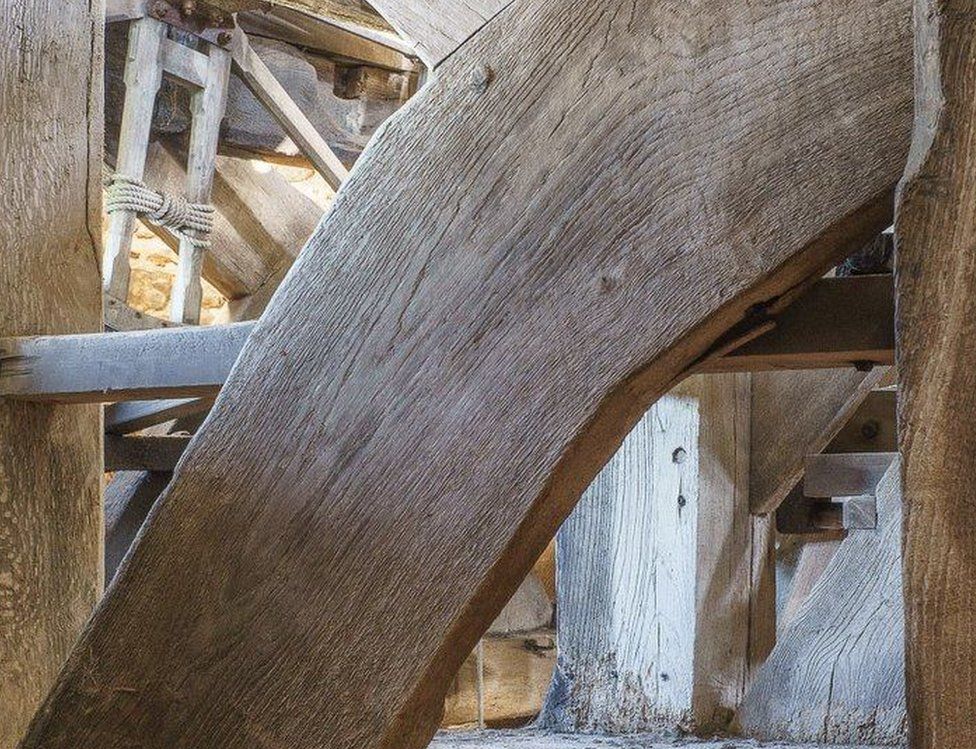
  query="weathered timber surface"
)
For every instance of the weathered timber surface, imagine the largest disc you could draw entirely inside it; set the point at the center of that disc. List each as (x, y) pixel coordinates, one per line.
(434, 385)
(436, 28)
(143, 452)
(795, 414)
(533, 739)
(872, 428)
(844, 475)
(50, 231)
(935, 273)
(815, 556)
(837, 672)
(93, 368)
(656, 588)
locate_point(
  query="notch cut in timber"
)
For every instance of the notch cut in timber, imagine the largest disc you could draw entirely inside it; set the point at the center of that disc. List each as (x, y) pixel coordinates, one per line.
(189, 362)
(801, 515)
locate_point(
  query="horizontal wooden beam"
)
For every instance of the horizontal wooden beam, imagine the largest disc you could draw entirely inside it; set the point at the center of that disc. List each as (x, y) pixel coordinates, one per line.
(844, 317)
(126, 417)
(104, 367)
(150, 453)
(844, 475)
(839, 322)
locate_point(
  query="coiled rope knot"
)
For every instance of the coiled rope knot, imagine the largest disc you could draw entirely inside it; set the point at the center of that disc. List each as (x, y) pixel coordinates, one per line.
(175, 213)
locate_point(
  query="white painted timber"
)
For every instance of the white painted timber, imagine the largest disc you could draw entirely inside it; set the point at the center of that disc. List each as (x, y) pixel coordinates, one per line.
(655, 574)
(207, 106)
(143, 75)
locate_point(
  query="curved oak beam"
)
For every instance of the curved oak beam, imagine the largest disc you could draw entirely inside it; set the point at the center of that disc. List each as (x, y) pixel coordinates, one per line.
(438, 380)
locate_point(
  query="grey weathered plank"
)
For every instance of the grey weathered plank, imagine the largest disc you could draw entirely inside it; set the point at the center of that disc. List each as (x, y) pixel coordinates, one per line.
(50, 227)
(437, 381)
(935, 278)
(836, 674)
(104, 367)
(207, 105)
(656, 580)
(533, 739)
(128, 498)
(143, 74)
(126, 417)
(844, 475)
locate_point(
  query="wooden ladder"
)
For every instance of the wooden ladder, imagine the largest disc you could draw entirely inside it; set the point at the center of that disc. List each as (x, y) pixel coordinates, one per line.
(154, 50)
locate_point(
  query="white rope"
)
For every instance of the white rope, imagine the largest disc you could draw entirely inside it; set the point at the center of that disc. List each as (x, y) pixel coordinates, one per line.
(175, 213)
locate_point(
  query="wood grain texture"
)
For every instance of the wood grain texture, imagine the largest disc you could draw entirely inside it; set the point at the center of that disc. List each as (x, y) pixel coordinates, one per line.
(795, 414)
(207, 106)
(844, 475)
(655, 575)
(172, 362)
(50, 231)
(935, 273)
(437, 381)
(836, 674)
(434, 28)
(128, 498)
(815, 556)
(873, 428)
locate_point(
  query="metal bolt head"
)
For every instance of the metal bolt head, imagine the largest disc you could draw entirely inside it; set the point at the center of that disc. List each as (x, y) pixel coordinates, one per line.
(223, 37)
(679, 455)
(188, 8)
(870, 429)
(681, 500)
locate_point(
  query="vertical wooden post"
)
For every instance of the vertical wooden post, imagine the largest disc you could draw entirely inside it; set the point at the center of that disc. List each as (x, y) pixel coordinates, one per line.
(936, 324)
(207, 106)
(143, 74)
(663, 595)
(50, 456)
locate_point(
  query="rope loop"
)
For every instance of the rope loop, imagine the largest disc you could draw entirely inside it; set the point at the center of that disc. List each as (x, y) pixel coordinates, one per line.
(174, 212)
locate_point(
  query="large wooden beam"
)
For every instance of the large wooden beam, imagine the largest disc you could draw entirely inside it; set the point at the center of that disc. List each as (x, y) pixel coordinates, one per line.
(936, 286)
(665, 591)
(438, 381)
(104, 367)
(50, 231)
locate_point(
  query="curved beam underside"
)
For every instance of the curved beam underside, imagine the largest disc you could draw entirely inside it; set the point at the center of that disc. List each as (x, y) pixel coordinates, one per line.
(439, 379)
